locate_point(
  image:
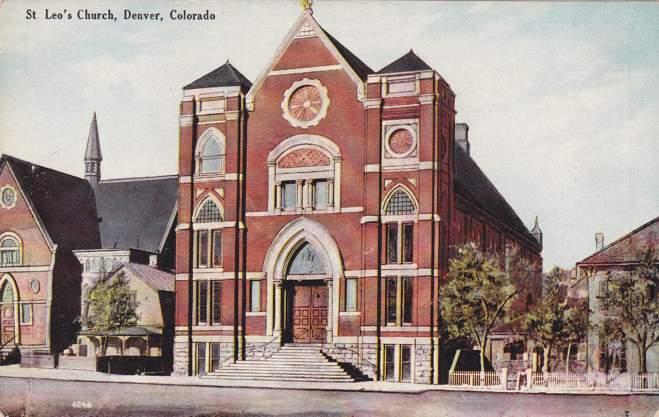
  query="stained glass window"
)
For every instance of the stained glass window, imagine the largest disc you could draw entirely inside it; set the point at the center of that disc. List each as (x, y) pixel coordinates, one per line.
(209, 213)
(212, 156)
(9, 251)
(400, 203)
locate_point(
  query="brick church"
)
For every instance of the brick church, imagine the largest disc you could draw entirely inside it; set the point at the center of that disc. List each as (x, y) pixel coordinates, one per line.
(317, 210)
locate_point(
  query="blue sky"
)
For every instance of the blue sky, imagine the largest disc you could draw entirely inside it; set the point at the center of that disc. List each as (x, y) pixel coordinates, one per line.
(562, 99)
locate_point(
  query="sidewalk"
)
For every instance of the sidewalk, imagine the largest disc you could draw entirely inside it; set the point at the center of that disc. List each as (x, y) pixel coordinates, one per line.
(15, 371)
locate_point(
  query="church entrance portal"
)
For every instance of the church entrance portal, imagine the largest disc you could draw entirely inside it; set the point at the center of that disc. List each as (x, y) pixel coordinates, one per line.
(308, 312)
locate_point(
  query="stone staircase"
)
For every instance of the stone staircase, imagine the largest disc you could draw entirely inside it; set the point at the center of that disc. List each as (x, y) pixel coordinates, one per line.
(293, 362)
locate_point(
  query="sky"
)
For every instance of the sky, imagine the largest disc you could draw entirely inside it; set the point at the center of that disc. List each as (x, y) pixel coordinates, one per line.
(562, 99)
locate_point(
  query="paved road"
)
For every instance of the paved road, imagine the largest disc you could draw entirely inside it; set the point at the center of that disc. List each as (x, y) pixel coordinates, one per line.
(50, 398)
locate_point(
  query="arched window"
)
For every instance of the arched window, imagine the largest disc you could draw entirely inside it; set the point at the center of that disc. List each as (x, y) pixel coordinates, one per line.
(6, 293)
(210, 153)
(306, 262)
(208, 235)
(10, 251)
(399, 231)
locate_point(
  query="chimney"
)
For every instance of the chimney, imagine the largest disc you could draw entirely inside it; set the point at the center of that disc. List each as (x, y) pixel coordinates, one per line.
(153, 261)
(462, 136)
(599, 241)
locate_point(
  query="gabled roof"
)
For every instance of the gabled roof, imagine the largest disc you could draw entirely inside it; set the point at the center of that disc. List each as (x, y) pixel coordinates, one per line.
(64, 203)
(627, 248)
(406, 63)
(472, 184)
(93, 150)
(136, 212)
(225, 76)
(155, 278)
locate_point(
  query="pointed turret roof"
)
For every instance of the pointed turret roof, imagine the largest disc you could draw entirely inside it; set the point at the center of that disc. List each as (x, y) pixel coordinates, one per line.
(225, 76)
(93, 151)
(536, 226)
(406, 63)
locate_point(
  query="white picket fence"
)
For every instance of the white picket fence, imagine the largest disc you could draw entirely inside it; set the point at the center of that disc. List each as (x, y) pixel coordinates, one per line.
(475, 379)
(559, 381)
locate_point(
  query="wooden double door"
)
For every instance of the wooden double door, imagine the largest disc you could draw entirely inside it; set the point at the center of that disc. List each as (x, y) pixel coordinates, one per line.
(308, 312)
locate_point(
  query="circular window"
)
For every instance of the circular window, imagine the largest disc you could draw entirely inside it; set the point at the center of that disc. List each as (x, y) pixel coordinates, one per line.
(35, 286)
(8, 196)
(401, 141)
(305, 103)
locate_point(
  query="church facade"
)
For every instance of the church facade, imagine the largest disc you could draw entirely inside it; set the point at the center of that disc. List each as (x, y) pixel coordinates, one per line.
(319, 204)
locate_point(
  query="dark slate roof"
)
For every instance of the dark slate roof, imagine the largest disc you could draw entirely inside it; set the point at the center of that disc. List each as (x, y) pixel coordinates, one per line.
(406, 63)
(63, 202)
(225, 76)
(360, 68)
(135, 206)
(155, 278)
(472, 184)
(627, 248)
(93, 150)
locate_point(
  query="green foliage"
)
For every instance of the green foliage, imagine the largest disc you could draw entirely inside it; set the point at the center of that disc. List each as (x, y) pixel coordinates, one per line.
(633, 298)
(476, 297)
(111, 305)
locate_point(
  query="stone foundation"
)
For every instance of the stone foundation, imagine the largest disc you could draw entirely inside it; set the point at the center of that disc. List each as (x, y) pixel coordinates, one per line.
(180, 357)
(422, 364)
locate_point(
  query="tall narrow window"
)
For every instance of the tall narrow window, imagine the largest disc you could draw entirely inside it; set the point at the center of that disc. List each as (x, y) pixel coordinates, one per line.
(9, 251)
(288, 195)
(202, 248)
(202, 302)
(390, 362)
(408, 300)
(320, 194)
(217, 247)
(255, 295)
(201, 358)
(351, 294)
(392, 243)
(212, 156)
(216, 302)
(26, 313)
(391, 305)
(216, 358)
(408, 242)
(406, 363)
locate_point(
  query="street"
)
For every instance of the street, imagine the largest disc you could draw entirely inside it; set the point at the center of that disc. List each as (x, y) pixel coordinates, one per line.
(37, 397)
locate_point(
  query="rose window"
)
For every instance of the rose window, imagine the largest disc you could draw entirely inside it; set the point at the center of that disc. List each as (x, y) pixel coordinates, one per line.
(401, 141)
(8, 197)
(305, 103)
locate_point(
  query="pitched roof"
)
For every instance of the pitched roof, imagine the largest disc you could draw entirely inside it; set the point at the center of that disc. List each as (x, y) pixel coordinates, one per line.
(406, 63)
(155, 278)
(225, 76)
(63, 202)
(135, 212)
(93, 150)
(627, 248)
(361, 69)
(472, 184)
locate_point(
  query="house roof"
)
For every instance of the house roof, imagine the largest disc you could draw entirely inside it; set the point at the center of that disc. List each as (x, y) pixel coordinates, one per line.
(406, 63)
(472, 184)
(360, 67)
(135, 212)
(63, 202)
(627, 248)
(155, 278)
(224, 76)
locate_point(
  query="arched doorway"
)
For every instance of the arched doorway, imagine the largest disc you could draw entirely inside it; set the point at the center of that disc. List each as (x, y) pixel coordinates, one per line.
(8, 311)
(303, 267)
(307, 298)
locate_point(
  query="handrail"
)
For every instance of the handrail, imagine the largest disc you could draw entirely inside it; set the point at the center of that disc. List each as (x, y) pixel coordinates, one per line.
(253, 349)
(7, 342)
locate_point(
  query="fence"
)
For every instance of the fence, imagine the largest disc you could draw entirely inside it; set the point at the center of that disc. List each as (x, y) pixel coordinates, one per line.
(559, 381)
(475, 379)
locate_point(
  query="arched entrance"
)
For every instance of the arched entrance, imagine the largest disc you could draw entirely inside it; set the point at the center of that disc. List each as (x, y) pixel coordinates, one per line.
(303, 267)
(8, 311)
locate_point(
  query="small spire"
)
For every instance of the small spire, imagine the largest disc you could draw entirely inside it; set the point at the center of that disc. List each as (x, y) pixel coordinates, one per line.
(306, 6)
(93, 150)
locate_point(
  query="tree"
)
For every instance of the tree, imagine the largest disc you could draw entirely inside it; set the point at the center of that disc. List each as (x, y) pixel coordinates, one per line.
(476, 297)
(633, 298)
(111, 307)
(554, 323)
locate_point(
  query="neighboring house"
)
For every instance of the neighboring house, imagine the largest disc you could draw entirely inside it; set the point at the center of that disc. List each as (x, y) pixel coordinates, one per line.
(152, 335)
(316, 197)
(45, 215)
(615, 261)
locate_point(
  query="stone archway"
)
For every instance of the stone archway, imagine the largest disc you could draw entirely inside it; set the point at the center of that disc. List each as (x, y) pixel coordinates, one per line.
(282, 255)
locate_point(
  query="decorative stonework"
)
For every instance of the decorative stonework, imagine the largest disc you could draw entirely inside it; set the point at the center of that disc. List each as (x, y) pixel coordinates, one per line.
(400, 140)
(305, 103)
(304, 158)
(7, 196)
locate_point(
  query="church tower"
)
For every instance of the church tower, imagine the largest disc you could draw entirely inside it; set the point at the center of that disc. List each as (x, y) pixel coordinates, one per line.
(93, 155)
